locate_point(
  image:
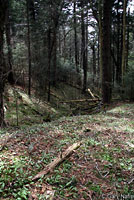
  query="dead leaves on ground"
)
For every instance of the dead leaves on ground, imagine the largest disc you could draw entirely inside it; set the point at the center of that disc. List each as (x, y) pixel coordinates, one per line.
(102, 165)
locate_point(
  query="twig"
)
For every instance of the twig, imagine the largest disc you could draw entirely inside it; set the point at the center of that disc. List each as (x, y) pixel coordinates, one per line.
(103, 176)
(131, 181)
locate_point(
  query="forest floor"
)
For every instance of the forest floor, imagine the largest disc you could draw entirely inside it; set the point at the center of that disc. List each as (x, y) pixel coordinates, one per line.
(101, 168)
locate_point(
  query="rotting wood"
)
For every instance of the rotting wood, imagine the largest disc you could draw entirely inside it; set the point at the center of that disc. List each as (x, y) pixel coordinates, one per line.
(58, 160)
(80, 100)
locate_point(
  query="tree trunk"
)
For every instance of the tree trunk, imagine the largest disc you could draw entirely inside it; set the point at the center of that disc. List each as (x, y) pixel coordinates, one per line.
(127, 46)
(86, 40)
(124, 42)
(3, 9)
(1, 77)
(8, 40)
(70, 47)
(100, 41)
(29, 49)
(106, 53)
(55, 56)
(118, 67)
(94, 61)
(75, 38)
(113, 60)
(32, 9)
(49, 64)
(64, 44)
(83, 48)
(59, 43)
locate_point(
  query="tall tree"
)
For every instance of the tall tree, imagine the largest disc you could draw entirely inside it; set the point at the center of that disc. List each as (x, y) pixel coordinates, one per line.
(9, 46)
(3, 9)
(118, 42)
(49, 63)
(106, 52)
(94, 60)
(97, 11)
(124, 41)
(29, 47)
(100, 38)
(55, 10)
(128, 38)
(83, 48)
(75, 38)
(55, 56)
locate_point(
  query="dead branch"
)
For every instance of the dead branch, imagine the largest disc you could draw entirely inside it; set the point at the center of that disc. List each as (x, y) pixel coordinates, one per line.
(92, 95)
(57, 160)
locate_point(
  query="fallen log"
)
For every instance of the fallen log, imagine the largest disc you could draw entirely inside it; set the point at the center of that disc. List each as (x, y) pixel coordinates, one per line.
(80, 100)
(57, 160)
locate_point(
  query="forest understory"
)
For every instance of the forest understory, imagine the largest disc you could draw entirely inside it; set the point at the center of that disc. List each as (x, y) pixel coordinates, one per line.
(101, 168)
(66, 100)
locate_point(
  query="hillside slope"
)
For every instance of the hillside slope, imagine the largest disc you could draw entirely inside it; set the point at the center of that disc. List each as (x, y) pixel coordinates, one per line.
(24, 110)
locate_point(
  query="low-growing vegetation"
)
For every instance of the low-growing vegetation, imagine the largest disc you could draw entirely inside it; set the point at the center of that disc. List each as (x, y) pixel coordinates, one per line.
(101, 168)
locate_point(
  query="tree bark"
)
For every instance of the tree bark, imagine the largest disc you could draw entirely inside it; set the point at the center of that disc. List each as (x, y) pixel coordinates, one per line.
(100, 41)
(83, 48)
(3, 9)
(119, 37)
(49, 64)
(55, 56)
(106, 53)
(86, 42)
(124, 42)
(29, 49)
(94, 61)
(9, 46)
(75, 38)
(64, 44)
(128, 38)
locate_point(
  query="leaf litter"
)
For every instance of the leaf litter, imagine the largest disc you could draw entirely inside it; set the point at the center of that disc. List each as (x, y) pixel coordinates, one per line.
(102, 168)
